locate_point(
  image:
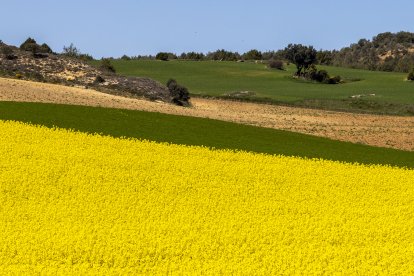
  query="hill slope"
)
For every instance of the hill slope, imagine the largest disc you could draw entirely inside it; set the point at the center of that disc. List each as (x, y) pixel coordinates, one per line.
(54, 68)
(385, 52)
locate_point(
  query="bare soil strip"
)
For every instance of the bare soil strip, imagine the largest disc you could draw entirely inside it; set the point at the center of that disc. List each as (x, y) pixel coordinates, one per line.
(376, 130)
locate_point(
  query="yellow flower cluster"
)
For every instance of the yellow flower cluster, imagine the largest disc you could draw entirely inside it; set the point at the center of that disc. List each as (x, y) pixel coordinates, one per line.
(73, 203)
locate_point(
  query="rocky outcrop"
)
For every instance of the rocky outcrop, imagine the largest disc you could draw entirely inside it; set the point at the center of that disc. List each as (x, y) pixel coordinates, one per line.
(55, 68)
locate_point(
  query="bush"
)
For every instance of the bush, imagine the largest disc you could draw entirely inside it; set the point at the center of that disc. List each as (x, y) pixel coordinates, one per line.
(44, 48)
(106, 65)
(334, 80)
(98, 80)
(85, 57)
(29, 45)
(276, 64)
(179, 94)
(320, 76)
(71, 51)
(165, 56)
(8, 53)
(253, 55)
(38, 51)
(125, 57)
(410, 76)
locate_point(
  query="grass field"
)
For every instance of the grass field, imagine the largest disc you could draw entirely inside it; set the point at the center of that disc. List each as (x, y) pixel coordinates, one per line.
(197, 131)
(393, 95)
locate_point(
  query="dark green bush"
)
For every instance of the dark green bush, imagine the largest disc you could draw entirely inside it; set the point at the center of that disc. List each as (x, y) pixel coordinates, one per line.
(276, 64)
(44, 48)
(320, 76)
(165, 56)
(29, 45)
(99, 79)
(334, 80)
(253, 55)
(38, 51)
(106, 65)
(8, 53)
(180, 94)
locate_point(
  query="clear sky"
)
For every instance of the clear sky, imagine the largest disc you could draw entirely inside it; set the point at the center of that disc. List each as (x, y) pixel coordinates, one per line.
(132, 27)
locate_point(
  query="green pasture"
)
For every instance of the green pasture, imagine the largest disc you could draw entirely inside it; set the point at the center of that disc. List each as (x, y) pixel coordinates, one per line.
(382, 92)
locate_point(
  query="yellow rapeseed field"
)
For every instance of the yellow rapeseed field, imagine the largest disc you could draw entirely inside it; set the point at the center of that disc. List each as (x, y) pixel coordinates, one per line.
(73, 203)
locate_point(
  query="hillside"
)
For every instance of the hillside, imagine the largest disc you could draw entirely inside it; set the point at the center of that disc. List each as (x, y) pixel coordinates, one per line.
(385, 52)
(55, 68)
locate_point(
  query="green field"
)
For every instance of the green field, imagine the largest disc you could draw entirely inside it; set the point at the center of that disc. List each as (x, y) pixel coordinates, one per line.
(393, 95)
(198, 131)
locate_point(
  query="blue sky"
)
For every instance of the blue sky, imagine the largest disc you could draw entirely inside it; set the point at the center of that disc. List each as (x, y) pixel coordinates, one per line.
(132, 27)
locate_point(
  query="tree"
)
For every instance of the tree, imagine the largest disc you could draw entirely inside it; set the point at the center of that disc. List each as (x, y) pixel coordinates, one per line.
(253, 55)
(162, 56)
(71, 51)
(179, 93)
(223, 55)
(29, 45)
(302, 56)
(44, 48)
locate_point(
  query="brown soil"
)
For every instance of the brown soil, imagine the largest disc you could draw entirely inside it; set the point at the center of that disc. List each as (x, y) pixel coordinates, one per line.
(384, 131)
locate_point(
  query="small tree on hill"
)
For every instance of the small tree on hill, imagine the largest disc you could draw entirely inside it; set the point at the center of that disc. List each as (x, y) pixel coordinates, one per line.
(71, 51)
(253, 55)
(162, 56)
(302, 56)
(44, 48)
(179, 93)
(29, 45)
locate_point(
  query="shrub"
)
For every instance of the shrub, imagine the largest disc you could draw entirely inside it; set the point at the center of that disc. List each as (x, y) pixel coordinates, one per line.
(106, 65)
(276, 64)
(410, 76)
(98, 80)
(125, 57)
(44, 48)
(253, 55)
(179, 93)
(162, 56)
(8, 53)
(85, 57)
(334, 80)
(71, 51)
(38, 51)
(320, 76)
(29, 45)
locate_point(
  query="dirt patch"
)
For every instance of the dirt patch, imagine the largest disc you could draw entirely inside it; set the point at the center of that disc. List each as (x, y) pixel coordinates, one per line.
(384, 131)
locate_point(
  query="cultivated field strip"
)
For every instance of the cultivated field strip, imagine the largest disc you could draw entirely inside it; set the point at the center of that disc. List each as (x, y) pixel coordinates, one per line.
(73, 203)
(375, 130)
